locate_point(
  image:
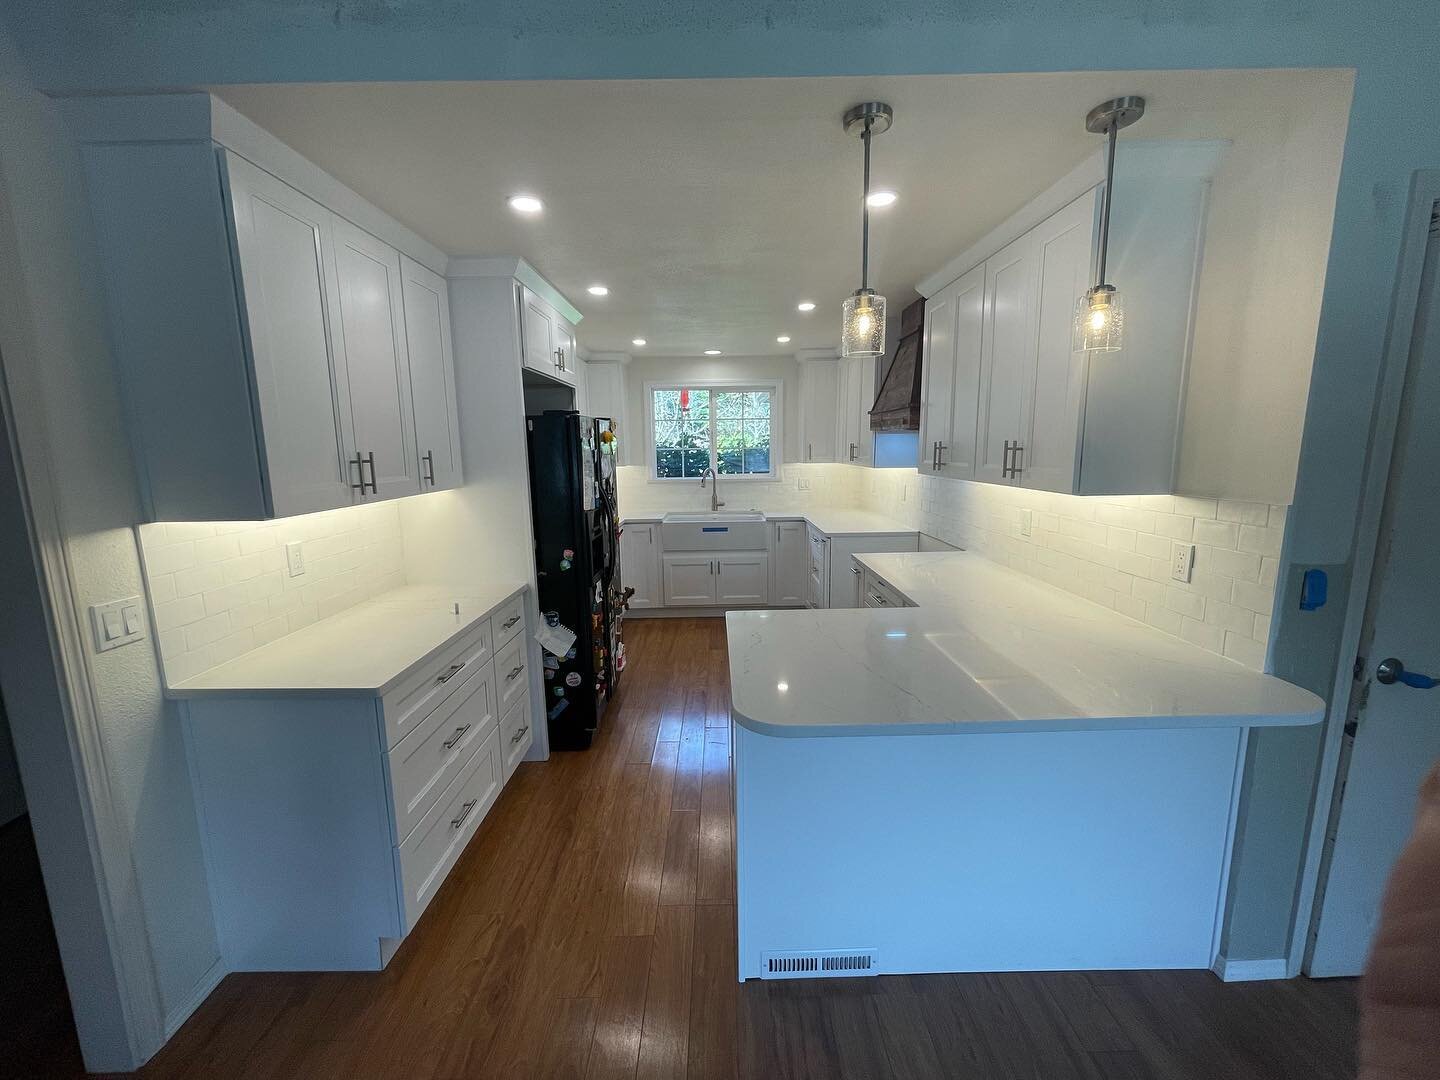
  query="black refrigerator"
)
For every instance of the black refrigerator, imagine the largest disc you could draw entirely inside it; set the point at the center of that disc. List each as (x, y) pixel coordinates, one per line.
(577, 552)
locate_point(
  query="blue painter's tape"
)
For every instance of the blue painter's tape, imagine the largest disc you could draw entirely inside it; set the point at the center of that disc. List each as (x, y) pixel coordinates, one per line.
(1313, 587)
(714, 528)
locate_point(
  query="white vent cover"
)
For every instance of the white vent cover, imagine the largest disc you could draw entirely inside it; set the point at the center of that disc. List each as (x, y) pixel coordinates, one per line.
(823, 964)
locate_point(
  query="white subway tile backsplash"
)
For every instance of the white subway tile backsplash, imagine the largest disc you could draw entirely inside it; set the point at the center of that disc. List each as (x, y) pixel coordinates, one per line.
(1245, 513)
(1261, 540)
(1223, 534)
(220, 589)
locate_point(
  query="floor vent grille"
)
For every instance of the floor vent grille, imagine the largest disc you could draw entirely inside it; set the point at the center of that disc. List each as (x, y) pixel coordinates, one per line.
(832, 964)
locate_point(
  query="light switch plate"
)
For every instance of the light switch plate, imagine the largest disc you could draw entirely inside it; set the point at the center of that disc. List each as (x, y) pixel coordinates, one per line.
(1182, 560)
(117, 623)
(295, 558)
(1025, 524)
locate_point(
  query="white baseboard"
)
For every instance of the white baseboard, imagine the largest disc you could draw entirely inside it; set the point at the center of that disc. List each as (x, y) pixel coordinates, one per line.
(1250, 970)
(177, 1016)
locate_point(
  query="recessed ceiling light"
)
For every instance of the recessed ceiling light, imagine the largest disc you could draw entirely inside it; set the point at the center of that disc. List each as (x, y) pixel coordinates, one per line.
(712, 352)
(598, 290)
(526, 204)
(783, 338)
(637, 341)
(805, 305)
(881, 198)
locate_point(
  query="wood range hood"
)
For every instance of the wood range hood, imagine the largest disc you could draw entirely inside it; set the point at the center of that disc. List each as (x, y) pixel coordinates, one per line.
(897, 405)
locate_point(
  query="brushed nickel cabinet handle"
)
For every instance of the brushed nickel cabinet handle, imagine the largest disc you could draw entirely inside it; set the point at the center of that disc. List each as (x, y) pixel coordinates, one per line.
(370, 460)
(509, 622)
(454, 669)
(459, 820)
(429, 460)
(519, 734)
(449, 744)
(359, 463)
(514, 672)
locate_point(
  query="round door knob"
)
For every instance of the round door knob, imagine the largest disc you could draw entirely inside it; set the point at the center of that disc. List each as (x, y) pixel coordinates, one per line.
(1391, 670)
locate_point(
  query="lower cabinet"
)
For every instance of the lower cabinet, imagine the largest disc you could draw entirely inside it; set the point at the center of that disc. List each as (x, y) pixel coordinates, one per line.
(330, 820)
(640, 563)
(789, 564)
(731, 579)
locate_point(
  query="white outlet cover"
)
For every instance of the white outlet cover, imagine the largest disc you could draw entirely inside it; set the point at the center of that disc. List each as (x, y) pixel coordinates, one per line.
(295, 558)
(1182, 561)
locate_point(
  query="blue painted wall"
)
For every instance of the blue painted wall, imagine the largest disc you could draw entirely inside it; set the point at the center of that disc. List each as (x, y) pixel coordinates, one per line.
(1392, 45)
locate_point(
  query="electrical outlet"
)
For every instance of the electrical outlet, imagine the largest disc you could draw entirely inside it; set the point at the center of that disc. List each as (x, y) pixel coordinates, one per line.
(1025, 526)
(1182, 558)
(295, 558)
(802, 484)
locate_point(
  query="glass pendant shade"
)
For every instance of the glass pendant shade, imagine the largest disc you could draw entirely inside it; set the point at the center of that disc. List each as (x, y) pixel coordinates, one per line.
(863, 330)
(1099, 321)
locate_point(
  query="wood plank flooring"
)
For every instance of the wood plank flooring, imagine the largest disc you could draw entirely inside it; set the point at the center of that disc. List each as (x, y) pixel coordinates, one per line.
(589, 932)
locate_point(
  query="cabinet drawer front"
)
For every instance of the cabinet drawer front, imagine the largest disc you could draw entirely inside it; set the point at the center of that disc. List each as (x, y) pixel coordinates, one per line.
(510, 673)
(428, 686)
(516, 734)
(508, 620)
(430, 850)
(426, 760)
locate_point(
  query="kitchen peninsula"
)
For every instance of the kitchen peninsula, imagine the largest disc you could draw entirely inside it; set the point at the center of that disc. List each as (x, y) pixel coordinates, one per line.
(1003, 776)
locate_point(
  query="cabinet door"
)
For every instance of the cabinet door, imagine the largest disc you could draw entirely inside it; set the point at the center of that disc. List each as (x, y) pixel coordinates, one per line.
(372, 320)
(287, 278)
(819, 405)
(743, 579)
(562, 348)
(1007, 357)
(938, 379)
(966, 338)
(790, 560)
(689, 581)
(1053, 429)
(640, 563)
(849, 397)
(864, 437)
(432, 375)
(537, 323)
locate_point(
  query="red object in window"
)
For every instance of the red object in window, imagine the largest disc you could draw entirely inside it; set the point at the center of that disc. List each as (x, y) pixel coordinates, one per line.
(684, 400)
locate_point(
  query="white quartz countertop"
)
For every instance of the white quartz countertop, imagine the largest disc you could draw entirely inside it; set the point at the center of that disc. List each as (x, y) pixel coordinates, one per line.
(830, 522)
(988, 649)
(362, 650)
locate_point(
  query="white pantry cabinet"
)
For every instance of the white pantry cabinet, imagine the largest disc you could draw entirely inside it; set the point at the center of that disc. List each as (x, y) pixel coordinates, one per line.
(257, 313)
(432, 375)
(789, 564)
(640, 563)
(1045, 416)
(819, 409)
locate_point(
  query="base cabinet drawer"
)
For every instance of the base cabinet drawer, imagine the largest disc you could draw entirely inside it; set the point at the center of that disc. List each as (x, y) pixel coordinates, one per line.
(424, 762)
(432, 847)
(416, 698)
(508, 620)
(511, 679)
(516, 734)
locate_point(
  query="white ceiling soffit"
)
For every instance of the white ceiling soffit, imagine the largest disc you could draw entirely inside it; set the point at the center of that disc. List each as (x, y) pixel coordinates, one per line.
(711, 207)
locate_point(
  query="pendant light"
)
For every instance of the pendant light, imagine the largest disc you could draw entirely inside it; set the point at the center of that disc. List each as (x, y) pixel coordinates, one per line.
(1100, 313)
(863, 326)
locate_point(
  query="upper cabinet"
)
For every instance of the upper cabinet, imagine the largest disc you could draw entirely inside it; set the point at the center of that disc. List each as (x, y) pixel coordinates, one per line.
(1006, 398)
(856, 394)
(548, 340)
(277, 358)
(819, 408)
(432, 375)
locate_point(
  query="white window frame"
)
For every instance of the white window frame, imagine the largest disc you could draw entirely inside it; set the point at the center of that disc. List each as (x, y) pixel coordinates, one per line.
(776, 389)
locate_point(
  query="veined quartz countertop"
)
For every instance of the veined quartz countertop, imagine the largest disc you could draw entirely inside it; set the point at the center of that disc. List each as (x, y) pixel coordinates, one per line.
(830, 522)
(363, 649)
(988, 649)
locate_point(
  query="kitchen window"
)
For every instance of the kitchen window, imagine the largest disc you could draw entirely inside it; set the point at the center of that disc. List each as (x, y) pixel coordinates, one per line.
(731, 429)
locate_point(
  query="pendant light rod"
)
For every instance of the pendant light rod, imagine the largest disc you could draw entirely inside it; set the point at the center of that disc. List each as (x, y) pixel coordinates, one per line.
(1107, 119)
(865, 211)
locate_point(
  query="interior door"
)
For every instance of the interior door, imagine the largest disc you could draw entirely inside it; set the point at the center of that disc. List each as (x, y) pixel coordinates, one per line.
(1064, 246)
(287, 276)
(1396, 726)
(372, 319)
(938, 379)
(1007, 359)
(432, 375)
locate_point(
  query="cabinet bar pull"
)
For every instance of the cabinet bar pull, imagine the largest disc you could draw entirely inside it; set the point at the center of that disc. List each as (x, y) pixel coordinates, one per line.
(519, 735)
(940, 449)
(449, 744)
(1015, 467)
(854, 570)
(454, 668)
(514, 672)
(359, 464)
(459, 820)
(1005, 464)
(509, 622)
(429, 460)
(370, 460)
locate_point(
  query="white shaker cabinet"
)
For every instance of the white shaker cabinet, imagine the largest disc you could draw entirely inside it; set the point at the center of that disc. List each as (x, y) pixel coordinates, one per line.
(856, 394)
(640, 563)
(372, 322)
(954, 325)
(789, 564)
(548, 339)
(1007, 359)
(689, 580)
(432, 375)
(742, 579)
(819, 410)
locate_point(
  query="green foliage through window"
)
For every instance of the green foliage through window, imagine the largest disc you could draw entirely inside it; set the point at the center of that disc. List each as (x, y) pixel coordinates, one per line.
(720, 427)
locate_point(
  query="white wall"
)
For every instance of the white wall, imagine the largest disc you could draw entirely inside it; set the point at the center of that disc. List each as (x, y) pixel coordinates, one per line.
(55, 347)
(801, 487)
(1258, 305)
